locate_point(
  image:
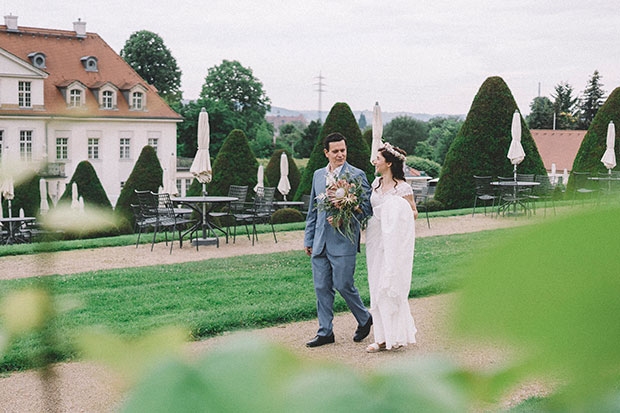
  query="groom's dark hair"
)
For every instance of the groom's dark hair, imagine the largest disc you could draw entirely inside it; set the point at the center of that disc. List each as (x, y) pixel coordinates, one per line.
(333, 137)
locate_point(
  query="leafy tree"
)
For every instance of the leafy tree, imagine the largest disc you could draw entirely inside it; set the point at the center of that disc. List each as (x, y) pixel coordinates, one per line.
(565, 106)
(262, 144)
(362, 121)
(89, 186)
(272, 173)
(221, 121)
(405, 132)
(236, 86)
(308, 139)
(340, 119)
(442, 132)
(541, 113)
(290, 135)
(235, 164)
(595, 142)
(145, 176)
(591, 101)
(147, 54)
(424, 150)
(431, 168)
(481, 145)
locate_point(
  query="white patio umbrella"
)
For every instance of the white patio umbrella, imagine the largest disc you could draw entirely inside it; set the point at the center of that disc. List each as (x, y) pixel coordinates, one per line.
(201, 166)
(22, 214)
(8, 192)
(1, 212)
(609, 157)
(516, 153)
(61, 186)
(377, 131)
(554, 178)
(75, 203)
(565, 177)
(44, 206)
(169, 178)
(260, 178)
(284, 186)
(81, 205)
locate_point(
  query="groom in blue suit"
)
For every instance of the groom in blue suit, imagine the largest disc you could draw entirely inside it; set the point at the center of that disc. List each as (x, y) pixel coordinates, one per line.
(333, 255)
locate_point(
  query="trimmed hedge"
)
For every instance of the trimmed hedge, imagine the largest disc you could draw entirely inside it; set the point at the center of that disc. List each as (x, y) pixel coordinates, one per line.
(27, 196)
(272, 173)
(481, 145)
(431, 168)
(235, 164)
(367, 135)
(340, 119)
(145, 176)
(89, 186)
(595, 142)
(286, 215)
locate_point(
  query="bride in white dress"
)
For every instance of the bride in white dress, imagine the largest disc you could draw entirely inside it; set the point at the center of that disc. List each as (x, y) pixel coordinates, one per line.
(390, 242)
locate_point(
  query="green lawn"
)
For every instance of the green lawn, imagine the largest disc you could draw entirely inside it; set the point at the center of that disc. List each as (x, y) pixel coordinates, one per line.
(223, 294)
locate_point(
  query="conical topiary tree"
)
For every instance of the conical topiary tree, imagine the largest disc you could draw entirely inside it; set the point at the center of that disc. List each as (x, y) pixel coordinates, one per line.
(593, 146)
(145, 176)
(89, 186)
(342, 120)
(272, 173)
(27, 196)
(367, 135)
(235, 164)
(481, 146)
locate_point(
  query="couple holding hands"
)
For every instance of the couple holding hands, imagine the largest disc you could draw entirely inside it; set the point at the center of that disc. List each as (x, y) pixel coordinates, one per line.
(390, 242)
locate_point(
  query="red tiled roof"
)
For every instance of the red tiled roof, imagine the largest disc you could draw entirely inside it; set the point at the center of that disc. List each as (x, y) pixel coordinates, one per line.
(558, 146)
(63, 51)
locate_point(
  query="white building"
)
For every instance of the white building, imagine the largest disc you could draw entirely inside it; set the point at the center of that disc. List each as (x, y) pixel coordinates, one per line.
(66, 96)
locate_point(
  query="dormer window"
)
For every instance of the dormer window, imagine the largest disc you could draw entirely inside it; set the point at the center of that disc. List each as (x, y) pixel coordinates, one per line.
(89, 63)
(137, 100)
(75, 98)
(107, 99)
(37, 59)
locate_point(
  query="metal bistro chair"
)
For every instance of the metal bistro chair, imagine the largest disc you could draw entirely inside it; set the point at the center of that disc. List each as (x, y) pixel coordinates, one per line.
(260, 212)
(235, 207)
(420, 196)
(544, 192)
(583, 186)
(484, 192)
(508, 195)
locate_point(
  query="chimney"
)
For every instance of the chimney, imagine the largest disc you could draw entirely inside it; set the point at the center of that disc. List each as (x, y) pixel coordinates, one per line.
(80, 28)
(11, 23)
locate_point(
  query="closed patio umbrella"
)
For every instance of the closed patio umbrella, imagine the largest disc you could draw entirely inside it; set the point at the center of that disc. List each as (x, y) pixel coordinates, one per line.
(81, 204)
(609, 157)
(75, 203)
(260, 178)
(44, 206)
(284, 186)
(201, 166)
(377, 131)
(1, 212)
(565, 177)
(169, 178)
(516, 153)
(8, 192)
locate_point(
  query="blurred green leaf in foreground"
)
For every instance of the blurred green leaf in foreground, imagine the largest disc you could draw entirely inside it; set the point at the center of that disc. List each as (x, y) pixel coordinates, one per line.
(552, 291)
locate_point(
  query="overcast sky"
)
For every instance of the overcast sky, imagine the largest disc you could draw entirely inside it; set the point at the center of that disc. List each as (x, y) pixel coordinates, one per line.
(416, 56)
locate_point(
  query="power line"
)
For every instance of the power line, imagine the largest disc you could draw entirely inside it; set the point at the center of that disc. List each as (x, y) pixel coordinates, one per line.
(320, 84)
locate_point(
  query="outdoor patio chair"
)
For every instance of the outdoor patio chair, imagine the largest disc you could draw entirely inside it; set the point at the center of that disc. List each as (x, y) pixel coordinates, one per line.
(543, 192)
(583, 187)
(508, 196)
(235, 207)
(420, 196)
(306, 200)
(259, 212)
(484, 192)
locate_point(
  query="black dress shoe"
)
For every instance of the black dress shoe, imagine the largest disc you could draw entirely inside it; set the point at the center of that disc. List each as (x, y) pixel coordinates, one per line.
(321, 340)
(362, 331)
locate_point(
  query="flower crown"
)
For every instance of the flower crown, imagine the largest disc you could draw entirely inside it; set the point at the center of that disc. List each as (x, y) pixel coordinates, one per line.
(386, 146)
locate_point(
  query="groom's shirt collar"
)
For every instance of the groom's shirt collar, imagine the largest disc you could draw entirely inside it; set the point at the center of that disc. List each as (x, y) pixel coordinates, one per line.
(335, 172)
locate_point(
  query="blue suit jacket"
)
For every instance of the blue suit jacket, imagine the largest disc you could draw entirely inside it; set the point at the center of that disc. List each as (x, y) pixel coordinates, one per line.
(319, 233)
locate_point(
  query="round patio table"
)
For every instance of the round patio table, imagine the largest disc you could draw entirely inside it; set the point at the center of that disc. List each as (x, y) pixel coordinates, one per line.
(287, 204)
(514, 201)
(15, 235)
(203, 205)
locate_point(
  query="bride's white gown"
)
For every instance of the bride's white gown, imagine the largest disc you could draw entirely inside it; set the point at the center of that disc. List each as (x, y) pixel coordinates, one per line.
(390, 242)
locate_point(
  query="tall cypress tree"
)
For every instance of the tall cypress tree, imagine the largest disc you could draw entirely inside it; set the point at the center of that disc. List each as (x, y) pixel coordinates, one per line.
(342, 120)
(89, 186)
(593, 146)
(591, 101)
(235, 164)
(481, 146)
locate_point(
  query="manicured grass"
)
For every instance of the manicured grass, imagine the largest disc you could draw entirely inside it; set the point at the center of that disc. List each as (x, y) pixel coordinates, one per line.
(222, 294)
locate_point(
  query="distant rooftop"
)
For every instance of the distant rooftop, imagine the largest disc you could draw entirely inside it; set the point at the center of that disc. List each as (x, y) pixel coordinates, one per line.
(558, 146)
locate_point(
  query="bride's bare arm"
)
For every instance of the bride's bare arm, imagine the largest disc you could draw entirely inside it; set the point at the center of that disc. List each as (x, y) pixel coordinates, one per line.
(409, 198)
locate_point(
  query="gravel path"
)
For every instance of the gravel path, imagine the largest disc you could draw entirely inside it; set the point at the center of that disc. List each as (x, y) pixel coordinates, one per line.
(84, 387)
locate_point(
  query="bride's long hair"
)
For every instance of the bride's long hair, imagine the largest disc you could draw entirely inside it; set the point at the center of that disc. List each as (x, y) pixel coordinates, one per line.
(397, 167)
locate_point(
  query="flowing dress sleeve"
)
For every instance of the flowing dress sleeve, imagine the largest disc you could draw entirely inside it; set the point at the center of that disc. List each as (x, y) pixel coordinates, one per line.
(404, 189)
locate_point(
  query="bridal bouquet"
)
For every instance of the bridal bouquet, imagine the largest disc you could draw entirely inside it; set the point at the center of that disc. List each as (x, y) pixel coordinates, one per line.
(341, 199)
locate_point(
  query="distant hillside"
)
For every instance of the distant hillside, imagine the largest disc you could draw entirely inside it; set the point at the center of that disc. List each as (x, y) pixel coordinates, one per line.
(386, 116)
